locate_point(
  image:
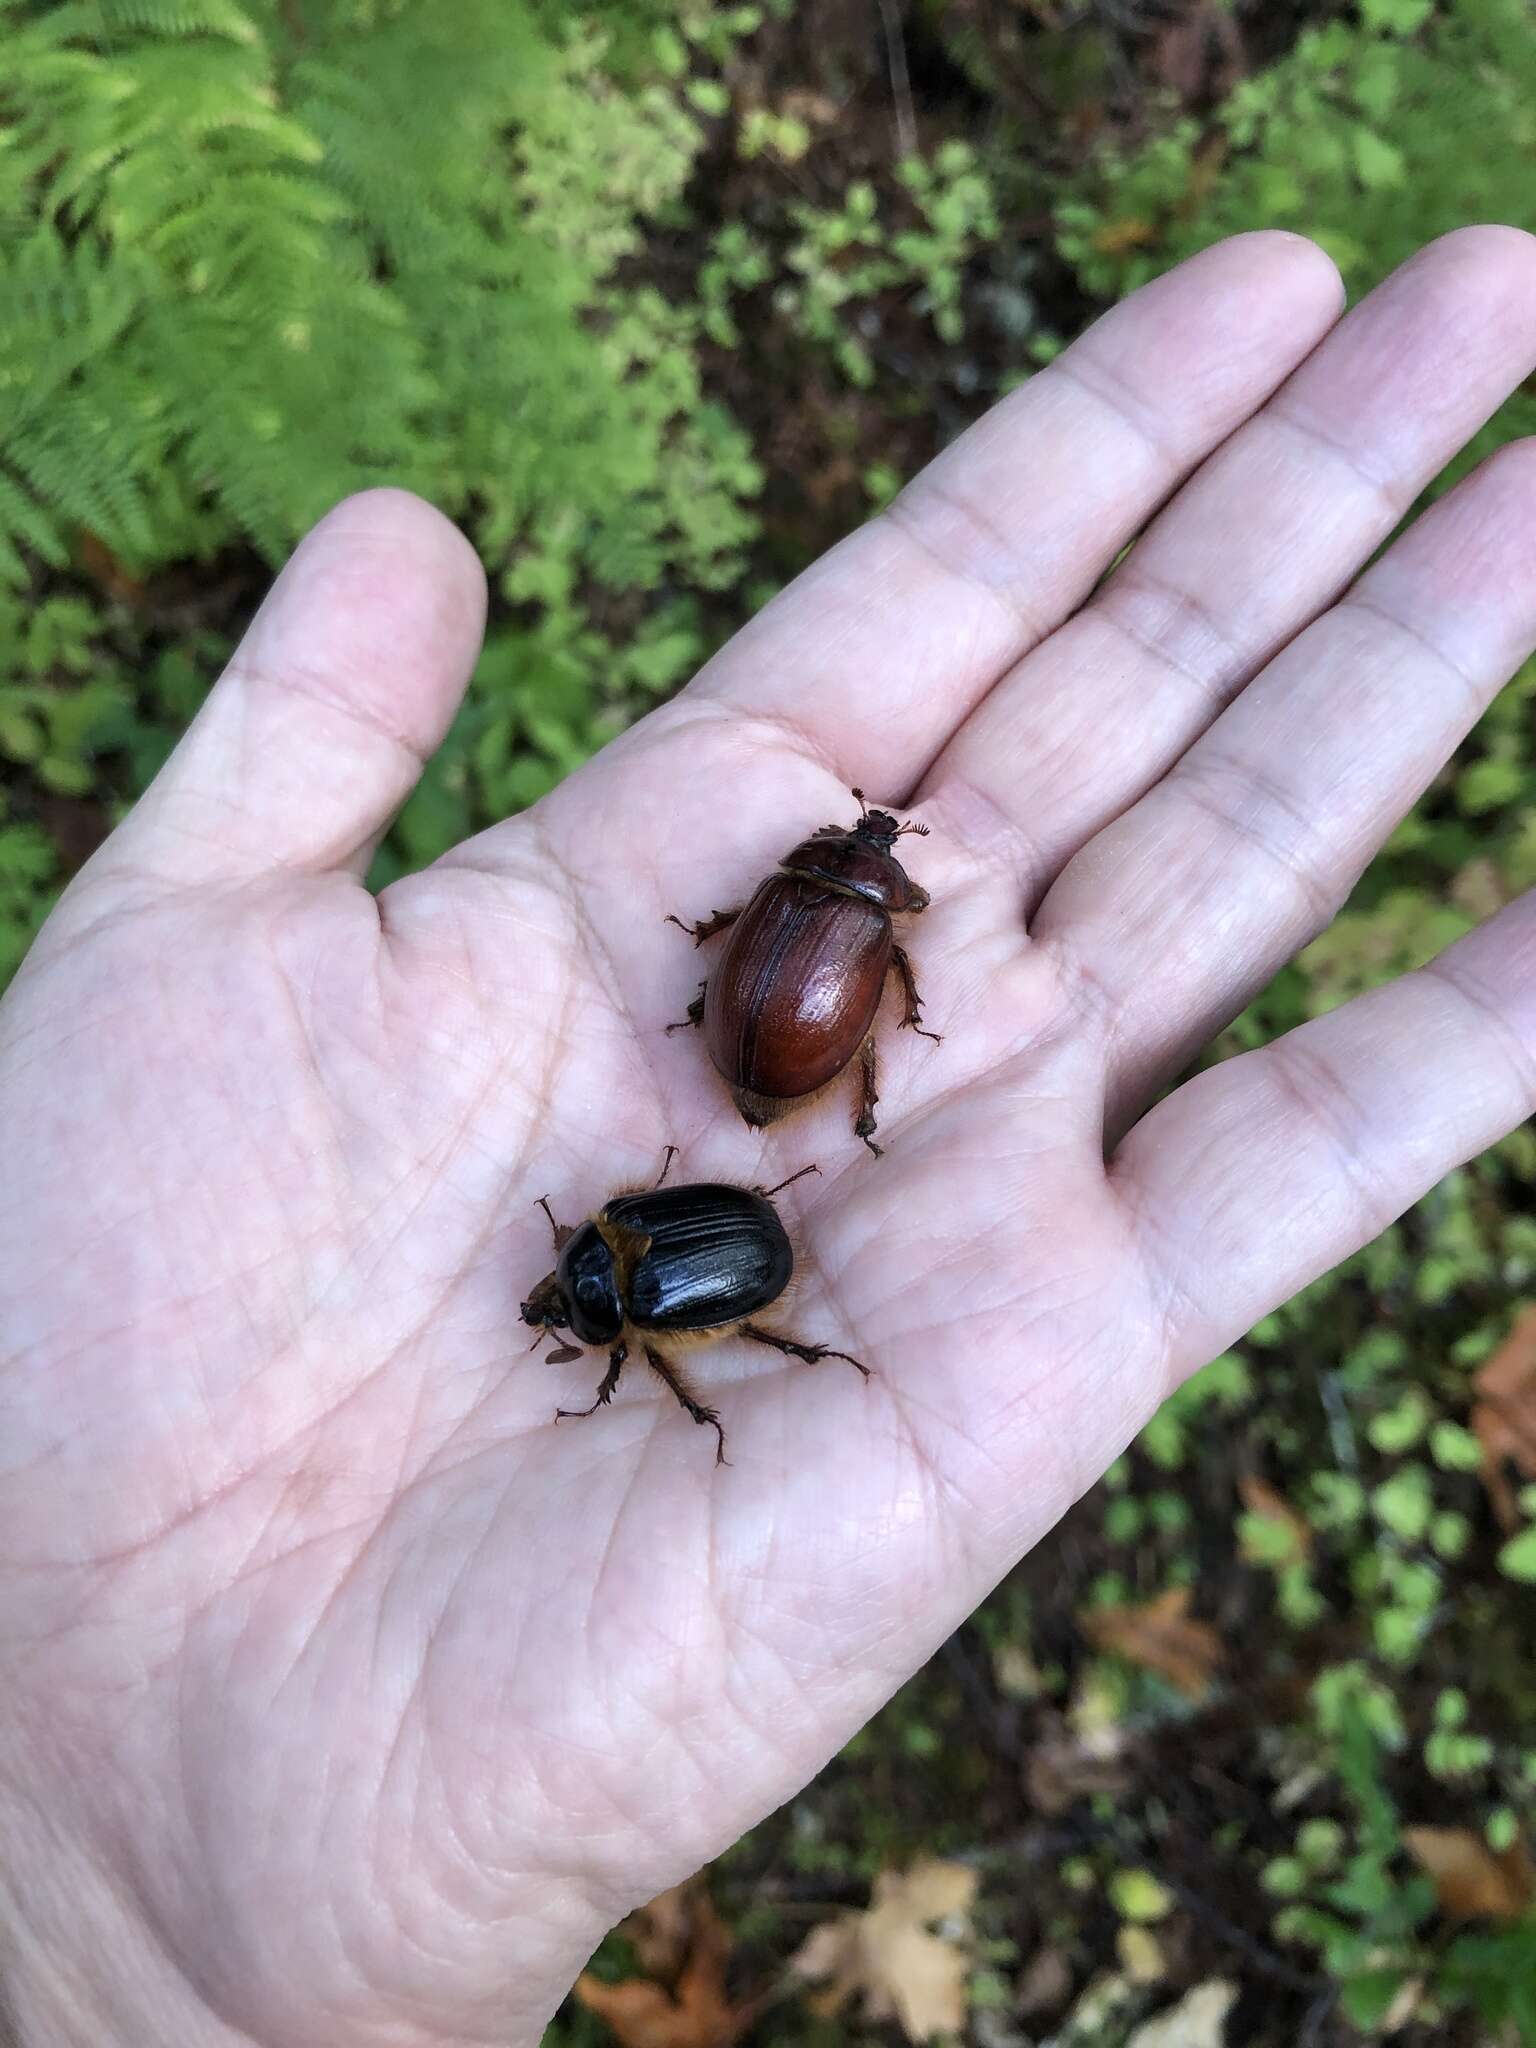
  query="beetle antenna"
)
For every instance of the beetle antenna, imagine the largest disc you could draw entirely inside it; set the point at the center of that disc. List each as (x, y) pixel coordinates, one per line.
(921, 831)
(863, 807)
(666, 1166)
(804, 1169)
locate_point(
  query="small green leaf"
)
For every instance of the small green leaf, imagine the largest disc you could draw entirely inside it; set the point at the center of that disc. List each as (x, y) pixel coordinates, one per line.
(1398, 1429)
(1137, 1896)
(1517, 1560)
(1367, 1998)
(1404, 1503)
(1454, 1448)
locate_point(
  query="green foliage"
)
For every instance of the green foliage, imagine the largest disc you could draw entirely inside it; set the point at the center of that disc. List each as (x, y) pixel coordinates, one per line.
(28, 868)
(258, 256)
(256, 261)
(836, 261)
(1347, 1899)
(1359, 138)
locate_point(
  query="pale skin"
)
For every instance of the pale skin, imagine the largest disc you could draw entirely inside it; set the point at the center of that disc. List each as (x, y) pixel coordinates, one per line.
(345, 1696)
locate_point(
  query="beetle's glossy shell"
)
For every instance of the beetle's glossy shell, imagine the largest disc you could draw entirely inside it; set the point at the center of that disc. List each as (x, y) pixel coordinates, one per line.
(848, 860)
(796, 992)
(716, 1254)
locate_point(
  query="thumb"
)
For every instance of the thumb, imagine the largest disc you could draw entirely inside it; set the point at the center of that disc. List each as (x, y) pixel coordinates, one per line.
(317, 731)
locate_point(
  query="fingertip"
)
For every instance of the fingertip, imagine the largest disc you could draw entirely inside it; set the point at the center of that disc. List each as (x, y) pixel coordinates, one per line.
(1230, 322)
(347, 679)
(1296, 272)
(1480, 274)
(387, 599)
(1483, 242)
(1511, 470)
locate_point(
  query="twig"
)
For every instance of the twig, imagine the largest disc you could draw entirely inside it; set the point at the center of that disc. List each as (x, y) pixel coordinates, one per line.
(1319, 2012)
(901, 83)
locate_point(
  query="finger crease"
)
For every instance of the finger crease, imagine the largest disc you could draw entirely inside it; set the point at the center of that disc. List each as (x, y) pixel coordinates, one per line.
(1306, 1080)
(1198, 782)
(1115, 396)
(904, 514)
(1486, 1008)
(309, 689)
(1173, 615)
(1361, 601)
(1389, 492)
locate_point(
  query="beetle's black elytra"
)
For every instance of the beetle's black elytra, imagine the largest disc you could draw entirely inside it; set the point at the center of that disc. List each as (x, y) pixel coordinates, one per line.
(799, 985)
(657, 1271)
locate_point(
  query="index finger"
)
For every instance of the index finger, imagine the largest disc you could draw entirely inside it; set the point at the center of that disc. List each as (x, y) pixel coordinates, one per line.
(870, 659)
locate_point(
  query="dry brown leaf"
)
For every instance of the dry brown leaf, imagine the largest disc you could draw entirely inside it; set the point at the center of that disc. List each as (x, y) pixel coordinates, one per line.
(692, 2012)
(1062, 1768)
(1478, 889)
(662, 1933)
(1472, 1881)
(1260, 1498)
(1118, 237)
(1504, 1415)
(1161, 1636)
(891, 1957)
(1404, 2008)
(1017, 1673)
(1140, 1955)
(1045, 1984)
(1199, 2020)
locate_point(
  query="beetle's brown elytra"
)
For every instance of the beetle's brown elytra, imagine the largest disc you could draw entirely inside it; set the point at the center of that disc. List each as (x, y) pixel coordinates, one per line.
(664, 1270)
(799, 985)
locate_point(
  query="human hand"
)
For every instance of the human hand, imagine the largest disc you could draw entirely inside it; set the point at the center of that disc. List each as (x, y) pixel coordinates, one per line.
(347, 1699)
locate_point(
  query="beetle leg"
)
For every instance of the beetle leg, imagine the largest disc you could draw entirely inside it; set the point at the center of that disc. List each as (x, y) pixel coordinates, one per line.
(669, 1373)
(666, 1167)
(561, 1232)
(717, 921)
(695, 1015)
(869, 1095)
(912, 1017)
(810, 1354)
(616, 1358)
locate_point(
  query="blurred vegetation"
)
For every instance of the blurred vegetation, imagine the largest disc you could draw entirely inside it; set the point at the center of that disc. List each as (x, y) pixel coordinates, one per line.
(658, 298)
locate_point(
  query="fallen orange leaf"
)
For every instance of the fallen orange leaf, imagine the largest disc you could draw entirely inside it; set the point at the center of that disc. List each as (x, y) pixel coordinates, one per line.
(695, 2010)
(1116, 237)
(892, 1957)
(1472, 1881)
(1161, 1636)
(1504, 1415)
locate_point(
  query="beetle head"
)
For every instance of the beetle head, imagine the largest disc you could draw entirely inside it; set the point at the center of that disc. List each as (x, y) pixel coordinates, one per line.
(546, 1311)
(880, 828)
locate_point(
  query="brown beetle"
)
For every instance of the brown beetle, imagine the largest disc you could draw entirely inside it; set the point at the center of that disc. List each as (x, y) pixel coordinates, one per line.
(796, 995)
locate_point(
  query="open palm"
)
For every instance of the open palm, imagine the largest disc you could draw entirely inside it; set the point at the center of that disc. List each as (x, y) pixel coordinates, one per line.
(347, 1697)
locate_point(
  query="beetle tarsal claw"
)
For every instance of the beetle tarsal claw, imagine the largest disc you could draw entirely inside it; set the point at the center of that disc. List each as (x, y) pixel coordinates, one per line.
(808, 1354)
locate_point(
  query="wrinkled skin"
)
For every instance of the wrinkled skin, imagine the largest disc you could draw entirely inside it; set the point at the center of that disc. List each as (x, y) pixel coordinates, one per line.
(344, 1696)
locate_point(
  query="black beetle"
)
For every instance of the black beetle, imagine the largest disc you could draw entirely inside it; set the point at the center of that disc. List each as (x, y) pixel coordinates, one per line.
(794, 999)
(666, 1269)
